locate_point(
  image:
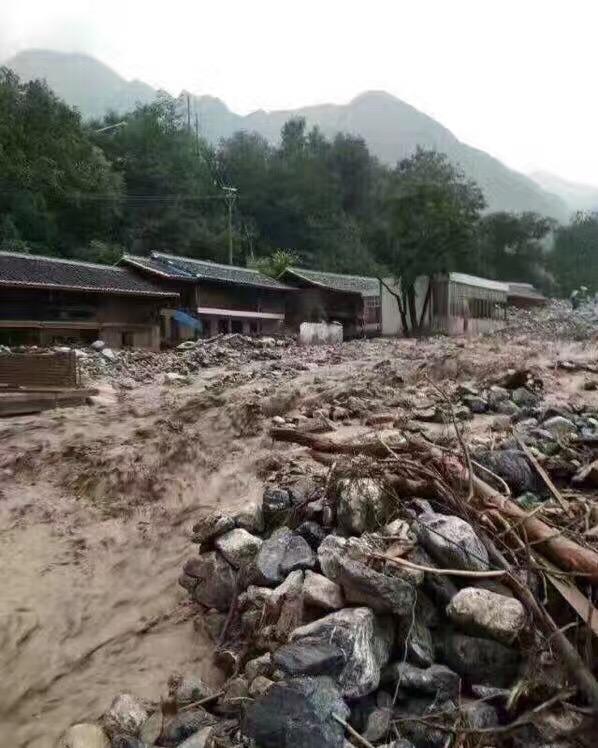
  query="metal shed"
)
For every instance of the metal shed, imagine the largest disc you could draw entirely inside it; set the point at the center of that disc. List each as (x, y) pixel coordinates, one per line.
(463, 304)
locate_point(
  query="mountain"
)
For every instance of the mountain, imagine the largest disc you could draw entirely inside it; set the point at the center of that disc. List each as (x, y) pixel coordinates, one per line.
(577, 196)
(391, 127)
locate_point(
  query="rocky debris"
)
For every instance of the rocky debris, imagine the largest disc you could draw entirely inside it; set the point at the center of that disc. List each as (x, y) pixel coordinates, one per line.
(214, 584)
(512, 466)
(283, 552)
(84, 736)
(364, 639)
(125, 715)
(321, 592)
(211, 526)
(452, 542)
(298, 714)
(475, 403)
(187, 690)
(360, 505)
(276, 503)
(480, 661)
(185, 724)
(559, 426)
(310, 656)
(437, 680)
(312, 532)
(238, 546)
(260, 686)
(492, 615)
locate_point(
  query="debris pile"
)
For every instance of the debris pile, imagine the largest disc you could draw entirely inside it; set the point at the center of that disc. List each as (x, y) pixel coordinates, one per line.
(396, 594)
(555, 321)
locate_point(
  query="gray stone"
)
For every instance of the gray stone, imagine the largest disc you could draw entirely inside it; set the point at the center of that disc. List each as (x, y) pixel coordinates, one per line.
(260, 686)
(214, 622)
(258, 666)
(507, 408)
(478, 715)
(84, 735)
(276, 503)
(437, 680)
(452, 542)
(127, 741)
(211, 526)
(238, 546)
(200, 739)
(415, 637)
(397, 529)
(187, 689)
(322, 592)
(400, 743)
(341, 561)
(125, 715)
(475, 403)
(185, 724)
(297, 714)
(378, 724)
(512, 466)
(559, 426)
(281, 553)
(496, 395)
(312, 532)
(489, 614)
(524, 397)
(310, 656)
(480, 661)
(490, 692)
(215, 580)
(439, 586)
(365, 641)
(152, 727)
(360, 505)
(250, 518)
(420, 733)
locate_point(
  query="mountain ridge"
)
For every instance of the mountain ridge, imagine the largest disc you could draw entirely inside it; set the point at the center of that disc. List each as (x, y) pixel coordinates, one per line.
(392, 128)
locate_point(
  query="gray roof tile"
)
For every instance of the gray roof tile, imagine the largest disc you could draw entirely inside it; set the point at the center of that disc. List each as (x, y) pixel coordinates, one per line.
(360, 284)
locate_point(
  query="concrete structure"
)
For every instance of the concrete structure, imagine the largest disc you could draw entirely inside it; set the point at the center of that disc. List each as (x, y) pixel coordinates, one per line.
(351, 300)
(214, 298)
(458, 304)
(316, 333)
(525, 296)
(47, 301)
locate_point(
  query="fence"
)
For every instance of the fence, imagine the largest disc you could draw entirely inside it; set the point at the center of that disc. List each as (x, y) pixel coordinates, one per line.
(38, 369)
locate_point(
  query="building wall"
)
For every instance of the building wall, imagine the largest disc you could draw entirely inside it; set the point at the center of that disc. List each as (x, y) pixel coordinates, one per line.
(391, 318)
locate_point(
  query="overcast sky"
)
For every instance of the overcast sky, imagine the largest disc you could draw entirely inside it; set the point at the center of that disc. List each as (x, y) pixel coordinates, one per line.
(514, 77)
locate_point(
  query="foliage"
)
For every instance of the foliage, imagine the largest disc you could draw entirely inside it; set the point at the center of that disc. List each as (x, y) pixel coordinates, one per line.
(277, 262)
(574, 259)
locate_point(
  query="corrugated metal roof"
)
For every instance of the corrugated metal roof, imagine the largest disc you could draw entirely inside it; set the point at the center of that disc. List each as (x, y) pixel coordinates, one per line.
(474, 280)
(38, 271)
(361, 284)
(525, 291)
(176, 267)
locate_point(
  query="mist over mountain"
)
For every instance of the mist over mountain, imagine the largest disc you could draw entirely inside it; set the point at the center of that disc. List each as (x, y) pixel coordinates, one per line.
(392, 128)
(577, 196)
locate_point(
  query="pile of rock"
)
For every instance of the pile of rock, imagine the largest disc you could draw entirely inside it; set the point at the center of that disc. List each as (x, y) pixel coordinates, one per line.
(557, 320)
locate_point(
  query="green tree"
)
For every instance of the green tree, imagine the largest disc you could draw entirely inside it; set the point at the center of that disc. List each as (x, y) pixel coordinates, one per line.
(574, 258)
(275, 264)
(56, 187)
(433, 212)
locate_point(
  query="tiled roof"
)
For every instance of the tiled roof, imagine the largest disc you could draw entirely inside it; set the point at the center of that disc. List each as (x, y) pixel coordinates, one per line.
(35, 271)
(474, 280)
(360, 284)
(179, 268)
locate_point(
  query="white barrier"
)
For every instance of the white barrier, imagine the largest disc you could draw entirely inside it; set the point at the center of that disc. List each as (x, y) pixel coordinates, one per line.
(320, 333)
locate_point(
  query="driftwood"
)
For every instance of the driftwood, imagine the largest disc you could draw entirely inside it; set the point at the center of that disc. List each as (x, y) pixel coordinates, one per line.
(330, 446)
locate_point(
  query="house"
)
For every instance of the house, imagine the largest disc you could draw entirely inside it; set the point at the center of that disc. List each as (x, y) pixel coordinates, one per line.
(351, 300)
(49, 300)
(214, 298)
(524, 296)
(451, 303)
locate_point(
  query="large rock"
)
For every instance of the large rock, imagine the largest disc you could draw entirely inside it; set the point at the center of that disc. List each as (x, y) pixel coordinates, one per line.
(345, 562)
(282, 553)
(439, 586)
(364, 639)
(322, 592)
(84, 736)
(360, 505)
(276, 503)
(559, 426)
(250, 518)
(512, 466)
(298, 714)
(211, 526)
(185, 724)
(312, 532)
(416, 640)
(187, 689)
(215, 580)
(524, 397)
(436, 680)
(238, 546)
(310, 656)
(486, 612)
(125, 715)
(452, 542)
(480, 661)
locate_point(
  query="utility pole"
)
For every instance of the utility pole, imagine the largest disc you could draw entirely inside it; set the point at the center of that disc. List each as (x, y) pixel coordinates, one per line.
(230, 195)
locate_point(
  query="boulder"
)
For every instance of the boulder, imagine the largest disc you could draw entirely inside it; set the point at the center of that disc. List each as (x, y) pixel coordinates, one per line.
(524, 397)
(84, 735)
(439, 586)
(480, 661)
(322, 592)
(187, 690)
(238, 546)
(312, 532)
(125, 715)
(97, 345)
(452, 542)
(310, 656)
(416, 641)
(496, 395)
(512, 466)
(478, 714)
(258, 666)
(201, 739)
(185, 724)
(281, 553)
(489, 614)
(378, 724)
(211, 526)
(364, 639)
(297, 714)
(360, 505)
(250, 518)
(345, 562)
(215, 580)
(108, 354)
(559, 426)
(260, 686)
(507, 408)
(437, 680)
(276, 503)
(397, 529)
